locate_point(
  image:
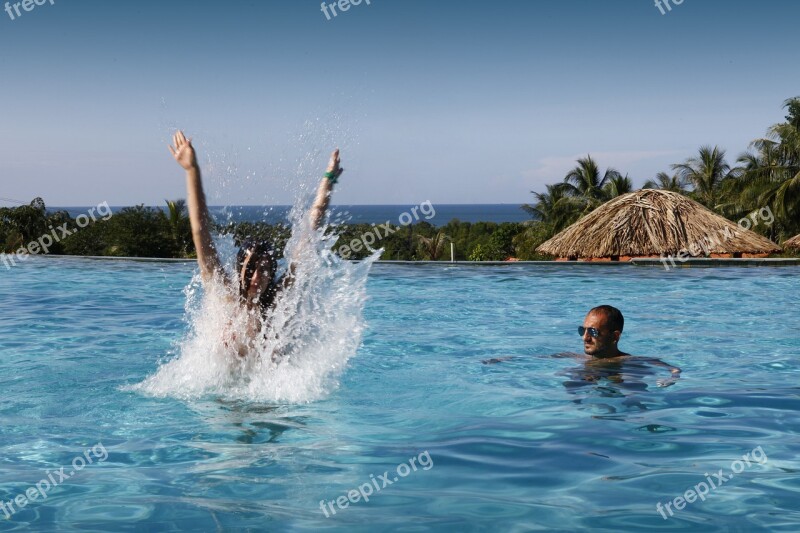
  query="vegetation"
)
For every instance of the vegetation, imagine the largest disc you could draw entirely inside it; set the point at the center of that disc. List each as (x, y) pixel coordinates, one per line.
(425, 242)
(166, 233)
(132, 232)
(768, 175)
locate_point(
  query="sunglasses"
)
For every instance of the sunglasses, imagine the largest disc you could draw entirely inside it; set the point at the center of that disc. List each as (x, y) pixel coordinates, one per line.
(592, 331)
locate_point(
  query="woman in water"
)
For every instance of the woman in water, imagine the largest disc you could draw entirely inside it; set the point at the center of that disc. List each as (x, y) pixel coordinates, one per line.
(256, 285)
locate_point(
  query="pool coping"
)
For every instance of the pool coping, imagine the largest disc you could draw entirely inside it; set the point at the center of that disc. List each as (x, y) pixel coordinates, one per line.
(689, 263)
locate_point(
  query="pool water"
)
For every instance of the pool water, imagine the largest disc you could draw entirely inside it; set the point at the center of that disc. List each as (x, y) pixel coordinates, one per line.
(532, 443)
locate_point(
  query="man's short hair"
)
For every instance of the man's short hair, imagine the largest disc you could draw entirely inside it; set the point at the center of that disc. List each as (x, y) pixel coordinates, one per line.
(615, 319)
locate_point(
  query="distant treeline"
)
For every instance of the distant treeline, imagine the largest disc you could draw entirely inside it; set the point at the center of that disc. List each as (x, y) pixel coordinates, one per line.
(131, 232)
(151, 232)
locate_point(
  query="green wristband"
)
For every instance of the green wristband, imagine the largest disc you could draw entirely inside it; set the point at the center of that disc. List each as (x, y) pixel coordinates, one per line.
(332, 176)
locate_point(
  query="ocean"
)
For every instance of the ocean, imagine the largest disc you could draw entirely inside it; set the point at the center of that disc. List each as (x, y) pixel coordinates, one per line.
(363, 214)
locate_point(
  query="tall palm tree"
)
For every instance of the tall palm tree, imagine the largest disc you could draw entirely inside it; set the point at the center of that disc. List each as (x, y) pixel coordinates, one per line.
(758, 176)
(665, 182)
(586, 183)
(787, 197)
(707, 172)
(769, 174)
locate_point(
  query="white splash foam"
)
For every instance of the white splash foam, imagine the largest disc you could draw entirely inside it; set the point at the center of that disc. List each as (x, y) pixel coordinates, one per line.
(316, 327)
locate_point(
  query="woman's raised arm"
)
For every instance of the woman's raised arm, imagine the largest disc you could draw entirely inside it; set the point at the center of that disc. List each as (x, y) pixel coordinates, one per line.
(318, 211)
(324, 190)
(183, 152)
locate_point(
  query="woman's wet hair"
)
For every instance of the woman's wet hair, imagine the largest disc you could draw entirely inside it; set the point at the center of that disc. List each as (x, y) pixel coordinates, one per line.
(263, 254)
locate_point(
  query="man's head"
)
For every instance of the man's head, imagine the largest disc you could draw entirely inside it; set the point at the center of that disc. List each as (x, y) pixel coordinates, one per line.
(256, 265)
(601, 331)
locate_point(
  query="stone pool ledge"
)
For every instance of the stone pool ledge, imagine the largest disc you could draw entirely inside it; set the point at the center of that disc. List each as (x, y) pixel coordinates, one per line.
(707, 263)
(689, 263)
(115, 258)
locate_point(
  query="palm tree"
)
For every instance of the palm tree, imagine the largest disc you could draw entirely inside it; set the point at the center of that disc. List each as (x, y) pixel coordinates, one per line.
(665, 182)
(707, 173)
(787, 197)
(554, 208)
(769, 174)
(617, 186)
(432, 247)
(757, 176)
(586, 183)
(178, 224)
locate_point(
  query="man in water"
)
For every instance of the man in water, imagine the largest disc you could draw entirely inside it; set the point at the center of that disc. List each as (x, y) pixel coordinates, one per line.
(601, 332)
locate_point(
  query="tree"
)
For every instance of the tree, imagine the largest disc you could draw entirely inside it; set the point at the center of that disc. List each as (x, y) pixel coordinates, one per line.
(485, 253)
(555, 208)
(787, 197)
(432, 248)
(526, 242)
(180, 226)
(502, 239)
(707, 173)
(586, 183)
(140, 232)
(617, 186)
(665, 182)
(769, 174)
(23, 224)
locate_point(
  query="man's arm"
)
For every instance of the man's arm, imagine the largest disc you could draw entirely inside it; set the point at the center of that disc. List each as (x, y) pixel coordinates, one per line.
(495, 360)
(674, 371)
(184, 154)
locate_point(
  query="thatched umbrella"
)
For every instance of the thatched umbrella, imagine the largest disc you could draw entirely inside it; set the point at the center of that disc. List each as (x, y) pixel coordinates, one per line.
(655, 223)
(793, 243)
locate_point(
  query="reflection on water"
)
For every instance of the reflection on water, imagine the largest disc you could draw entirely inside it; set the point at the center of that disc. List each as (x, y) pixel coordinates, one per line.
(255, 423)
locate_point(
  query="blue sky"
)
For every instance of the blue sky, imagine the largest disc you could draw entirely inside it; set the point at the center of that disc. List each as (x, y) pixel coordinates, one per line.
(449, 101)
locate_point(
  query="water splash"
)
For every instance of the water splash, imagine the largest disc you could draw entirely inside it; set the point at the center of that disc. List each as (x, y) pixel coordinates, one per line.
(303, 346)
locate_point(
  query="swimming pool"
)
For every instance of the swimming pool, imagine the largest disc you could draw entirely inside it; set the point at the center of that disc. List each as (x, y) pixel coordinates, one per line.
(512, 446)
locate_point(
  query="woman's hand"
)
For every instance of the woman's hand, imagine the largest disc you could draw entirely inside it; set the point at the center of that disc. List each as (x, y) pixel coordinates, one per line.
(334, 169)
(183, 151)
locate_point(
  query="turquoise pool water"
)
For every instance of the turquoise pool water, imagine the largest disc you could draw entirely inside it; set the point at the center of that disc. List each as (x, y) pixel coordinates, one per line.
(527, 444)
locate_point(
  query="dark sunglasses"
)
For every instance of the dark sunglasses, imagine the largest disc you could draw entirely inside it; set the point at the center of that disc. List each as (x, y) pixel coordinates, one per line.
(592, 331)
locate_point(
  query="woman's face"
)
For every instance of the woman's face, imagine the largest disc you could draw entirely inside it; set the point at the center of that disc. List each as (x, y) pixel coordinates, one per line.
(256, 275)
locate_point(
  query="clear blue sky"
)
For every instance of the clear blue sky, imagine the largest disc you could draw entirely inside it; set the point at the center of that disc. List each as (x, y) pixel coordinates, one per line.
(450, 101)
